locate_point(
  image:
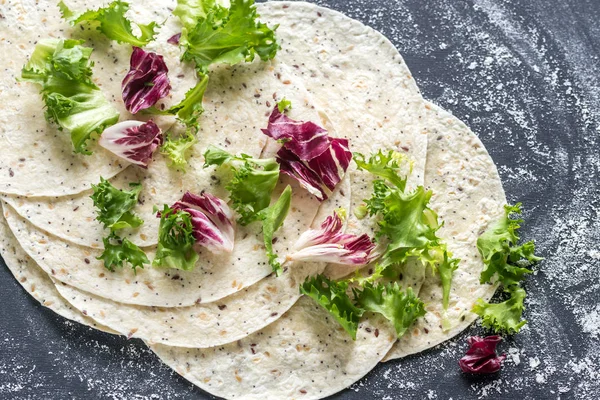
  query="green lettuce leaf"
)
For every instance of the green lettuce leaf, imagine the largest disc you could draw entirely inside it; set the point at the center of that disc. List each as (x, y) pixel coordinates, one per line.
(188, 110)
(284, 105)
(118, 251)
(399, 307)
(333, 296)
(114, 205)
(391, 166)
(505, 316)
(111, 21)
(503, 258)
(177, 149)
(175, 241)
(252, 183)
(63, 69)
(216, 34)
(505, 262)
(405, 220)
(190, 12)
(272, 219)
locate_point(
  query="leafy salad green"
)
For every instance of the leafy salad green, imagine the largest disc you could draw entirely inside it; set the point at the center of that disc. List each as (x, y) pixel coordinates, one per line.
(63, 70)
(112, 22)
(506, 263)
(114, 211)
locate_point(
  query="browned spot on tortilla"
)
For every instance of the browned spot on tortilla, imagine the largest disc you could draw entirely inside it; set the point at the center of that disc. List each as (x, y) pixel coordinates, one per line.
(272, 289)
(203, 317)
(42, 241)
(95, 245)
(143, 237)
(267, 354)
(238, 378)
(101, 275)
(233, 284)
(23, 279)
(415, 332)
(131, 333)
(223, 333)
(48, 303)
(136, 294)
(32, 288)
(206, 380)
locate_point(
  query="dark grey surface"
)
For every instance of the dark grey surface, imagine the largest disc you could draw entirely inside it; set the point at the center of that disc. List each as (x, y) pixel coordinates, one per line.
(525, 76)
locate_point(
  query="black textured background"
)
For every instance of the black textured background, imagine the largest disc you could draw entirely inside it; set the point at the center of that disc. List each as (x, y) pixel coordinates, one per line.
(525, 76)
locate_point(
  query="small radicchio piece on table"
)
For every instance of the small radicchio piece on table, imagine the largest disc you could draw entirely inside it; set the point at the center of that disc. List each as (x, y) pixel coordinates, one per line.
(481, 358)
(308, 154)
(212, 221)
(134, 141)
(146, 82)
(329, 244)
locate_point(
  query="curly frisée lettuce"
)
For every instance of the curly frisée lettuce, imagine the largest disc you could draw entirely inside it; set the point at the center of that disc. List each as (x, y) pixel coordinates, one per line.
(406, 222)
(213, 33)
(190, 108)
(399, 307)
(252, 183)
(177, 149)
(111, 21)
(175, 240)
(333, 296)
(272, 219)
(505, 262)
(505, 316)
(118, 251)
(63, 69)
(114, 205)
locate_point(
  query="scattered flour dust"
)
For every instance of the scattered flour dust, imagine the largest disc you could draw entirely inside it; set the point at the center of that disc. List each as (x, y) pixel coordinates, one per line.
(532, 96)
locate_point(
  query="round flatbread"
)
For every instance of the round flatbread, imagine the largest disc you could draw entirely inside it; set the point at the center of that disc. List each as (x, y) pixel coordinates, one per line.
(36, 282)
(215, 323)
(304, 354)
(468, 196)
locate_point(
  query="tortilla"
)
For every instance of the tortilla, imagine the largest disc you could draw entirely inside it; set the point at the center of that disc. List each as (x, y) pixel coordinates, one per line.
(36, 282)
(35, 157)
(468, 196)
(211, 324)
(304, 354)
(233, 112)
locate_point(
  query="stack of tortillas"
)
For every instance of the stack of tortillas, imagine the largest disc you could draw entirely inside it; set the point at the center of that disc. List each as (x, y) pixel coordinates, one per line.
(230, 326)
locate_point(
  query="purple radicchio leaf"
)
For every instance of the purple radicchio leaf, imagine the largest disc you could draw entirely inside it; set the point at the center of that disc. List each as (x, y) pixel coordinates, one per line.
(212, 220)
(329, 244)
(146, 82)
(481, 358)
(308, 154)
(174, 39)
(134, 141)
